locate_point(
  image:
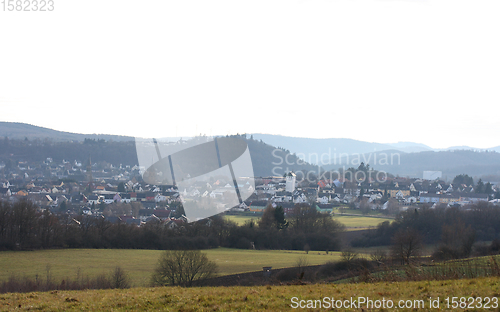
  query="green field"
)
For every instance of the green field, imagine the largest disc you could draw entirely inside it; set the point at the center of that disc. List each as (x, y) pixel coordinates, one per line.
(357, 211)
(265, 298)
(241, 219)
(139, 264)
(356, 222)
(359, 222)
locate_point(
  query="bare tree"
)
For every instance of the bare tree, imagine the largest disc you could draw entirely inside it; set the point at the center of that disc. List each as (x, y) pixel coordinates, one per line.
(364, 206)
(406, 244)
(119, 279)
(379, 256)
(307, 248)
(268, 219)
(456, 241)
(349, 254)
(301, 263)
(393, 206)
(182, 267)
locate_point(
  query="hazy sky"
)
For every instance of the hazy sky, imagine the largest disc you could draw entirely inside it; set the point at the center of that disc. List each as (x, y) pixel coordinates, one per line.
(382, 71)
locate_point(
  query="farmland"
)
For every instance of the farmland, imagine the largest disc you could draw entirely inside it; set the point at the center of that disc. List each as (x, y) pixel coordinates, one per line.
(139, 264)
(242, 219)
(359, 222)
(352, 219)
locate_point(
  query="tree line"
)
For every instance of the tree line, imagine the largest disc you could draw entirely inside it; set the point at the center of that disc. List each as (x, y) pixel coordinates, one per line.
(113, 152)
(453, 230)
(23, 226)
(264, 156)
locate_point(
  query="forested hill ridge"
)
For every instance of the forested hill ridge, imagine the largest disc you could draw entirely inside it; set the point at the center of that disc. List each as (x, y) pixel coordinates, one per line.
(485, 164)
(403, 158)
(338, 146)
(269, 153)
(264, 156)
(21, 131)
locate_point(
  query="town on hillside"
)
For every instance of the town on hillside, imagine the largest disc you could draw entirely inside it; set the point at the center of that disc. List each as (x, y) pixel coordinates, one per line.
(118, 193)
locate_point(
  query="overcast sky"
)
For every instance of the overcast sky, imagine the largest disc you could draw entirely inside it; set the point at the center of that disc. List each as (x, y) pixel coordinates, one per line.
(380, 71)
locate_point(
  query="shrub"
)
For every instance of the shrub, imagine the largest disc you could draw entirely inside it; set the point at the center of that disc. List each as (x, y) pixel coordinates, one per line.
(119, 279)
(379, 256)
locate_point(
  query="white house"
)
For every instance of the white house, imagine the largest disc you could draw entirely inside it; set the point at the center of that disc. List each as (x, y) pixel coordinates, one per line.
(126, 198)
(399, 195)
(410, 200)
(323, 200)
(300, 198)
(160, 198)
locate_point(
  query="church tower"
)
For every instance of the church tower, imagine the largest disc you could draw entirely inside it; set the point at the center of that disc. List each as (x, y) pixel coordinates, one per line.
(290, 182)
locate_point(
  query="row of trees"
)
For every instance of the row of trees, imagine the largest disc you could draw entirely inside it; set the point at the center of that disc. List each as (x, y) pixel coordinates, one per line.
(483, 218)
(110, 151)
(454, 231)
(23, 226)
(456, 242)
(480, 187)
(305, 229)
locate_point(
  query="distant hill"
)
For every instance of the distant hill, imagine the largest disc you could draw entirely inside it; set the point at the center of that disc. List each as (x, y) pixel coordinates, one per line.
(330, 148)
(267, 160)
(451, 163)
(408, 158)
(271, 154)
(410, 147)
(21, 131)
(336, 146)
(463, 147)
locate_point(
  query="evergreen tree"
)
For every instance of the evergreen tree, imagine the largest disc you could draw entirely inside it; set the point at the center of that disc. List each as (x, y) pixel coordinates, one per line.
(279, 216)
(63, 207)
(480, 187)
(121, 187)
(488, 189)
(463, 179)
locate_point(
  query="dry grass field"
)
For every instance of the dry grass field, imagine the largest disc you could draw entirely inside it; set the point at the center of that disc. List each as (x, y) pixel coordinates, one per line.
(139, 263)
(479, 294)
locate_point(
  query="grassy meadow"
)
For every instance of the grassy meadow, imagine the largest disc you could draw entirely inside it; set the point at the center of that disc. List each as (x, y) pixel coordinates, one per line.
(242, 219)
(139, 264)
(262, 298)
(352, 219)
(359, 222)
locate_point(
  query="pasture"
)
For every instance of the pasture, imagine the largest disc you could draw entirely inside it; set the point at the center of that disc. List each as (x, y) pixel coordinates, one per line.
(242, 219)
(352, 222)
(359, 222)
(139, 264)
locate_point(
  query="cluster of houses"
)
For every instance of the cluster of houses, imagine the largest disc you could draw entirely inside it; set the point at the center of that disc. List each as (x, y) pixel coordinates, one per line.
(326, 194)
(89, 189)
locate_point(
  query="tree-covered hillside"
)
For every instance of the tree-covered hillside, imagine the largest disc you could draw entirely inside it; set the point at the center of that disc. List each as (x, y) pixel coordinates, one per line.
(267, 160)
